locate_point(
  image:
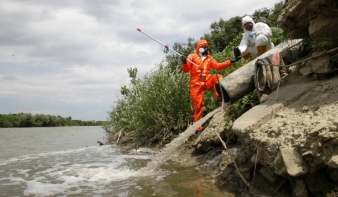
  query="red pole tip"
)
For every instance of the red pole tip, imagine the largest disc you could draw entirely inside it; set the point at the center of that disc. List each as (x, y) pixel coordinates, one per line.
(166, 46)
(138, 29)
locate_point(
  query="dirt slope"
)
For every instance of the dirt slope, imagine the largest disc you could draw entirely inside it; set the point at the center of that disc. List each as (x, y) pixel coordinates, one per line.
(291, 150)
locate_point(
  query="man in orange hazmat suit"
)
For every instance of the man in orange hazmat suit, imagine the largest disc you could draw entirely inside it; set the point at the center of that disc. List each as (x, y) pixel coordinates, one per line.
(199, 64)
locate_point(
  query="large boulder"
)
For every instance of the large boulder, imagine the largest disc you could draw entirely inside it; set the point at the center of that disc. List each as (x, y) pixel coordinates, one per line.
(316, 19)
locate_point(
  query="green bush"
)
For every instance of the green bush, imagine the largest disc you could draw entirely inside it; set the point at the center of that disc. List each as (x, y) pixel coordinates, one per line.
(158, 104)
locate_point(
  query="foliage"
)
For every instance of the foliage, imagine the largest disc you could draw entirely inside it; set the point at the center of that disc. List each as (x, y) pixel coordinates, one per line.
(222, 32)
(278, 35)
(325, 43)
(261, 15)
(173, 60)
(268, 16)
(159, 103)
(41, 120)
(242, 105)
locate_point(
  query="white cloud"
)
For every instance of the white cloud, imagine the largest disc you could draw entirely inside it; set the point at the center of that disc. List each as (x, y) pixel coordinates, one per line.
(70, 58)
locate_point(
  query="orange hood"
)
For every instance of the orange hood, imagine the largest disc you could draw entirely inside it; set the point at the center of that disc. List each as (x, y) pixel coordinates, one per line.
(201, 43)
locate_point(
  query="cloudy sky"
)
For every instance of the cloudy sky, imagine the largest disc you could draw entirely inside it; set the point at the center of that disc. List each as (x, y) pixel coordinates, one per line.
(70, 57)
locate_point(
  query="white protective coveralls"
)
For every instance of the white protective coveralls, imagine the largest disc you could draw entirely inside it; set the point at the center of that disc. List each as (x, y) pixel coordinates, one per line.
(257, 44)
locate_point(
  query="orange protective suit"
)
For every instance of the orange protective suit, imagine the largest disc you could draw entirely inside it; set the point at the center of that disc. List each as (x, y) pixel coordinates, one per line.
(197, 85)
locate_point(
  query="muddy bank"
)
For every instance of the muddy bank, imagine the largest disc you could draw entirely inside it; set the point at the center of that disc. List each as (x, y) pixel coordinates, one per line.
(285, 146)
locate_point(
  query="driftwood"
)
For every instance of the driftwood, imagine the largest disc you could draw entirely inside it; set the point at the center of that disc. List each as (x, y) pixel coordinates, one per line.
(119, 136)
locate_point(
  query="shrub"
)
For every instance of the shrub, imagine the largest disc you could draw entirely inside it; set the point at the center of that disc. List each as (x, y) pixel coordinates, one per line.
(158, 104)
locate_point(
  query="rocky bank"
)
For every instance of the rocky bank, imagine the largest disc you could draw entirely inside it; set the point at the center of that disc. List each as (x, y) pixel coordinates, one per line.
(287, 145)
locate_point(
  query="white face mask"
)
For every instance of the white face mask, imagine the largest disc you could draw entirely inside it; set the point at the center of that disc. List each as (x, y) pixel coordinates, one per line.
(201, 50)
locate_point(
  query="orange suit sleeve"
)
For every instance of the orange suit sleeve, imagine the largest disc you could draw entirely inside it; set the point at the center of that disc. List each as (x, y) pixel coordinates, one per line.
(220, 66)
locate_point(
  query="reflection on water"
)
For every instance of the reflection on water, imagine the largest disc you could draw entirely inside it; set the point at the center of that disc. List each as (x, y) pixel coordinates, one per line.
(91, 170)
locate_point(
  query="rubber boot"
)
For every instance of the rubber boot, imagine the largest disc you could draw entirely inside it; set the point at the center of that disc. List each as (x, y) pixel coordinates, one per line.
(261, 49)
(219, 101)
(198, 133)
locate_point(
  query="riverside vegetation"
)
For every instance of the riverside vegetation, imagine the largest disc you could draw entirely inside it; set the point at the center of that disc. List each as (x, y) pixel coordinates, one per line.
(41, 120)
(157, 107)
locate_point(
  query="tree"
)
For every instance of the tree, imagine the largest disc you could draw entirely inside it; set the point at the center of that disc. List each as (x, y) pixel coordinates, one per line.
(222, 33)
(261, 15)
(173, 60)
(274, 14)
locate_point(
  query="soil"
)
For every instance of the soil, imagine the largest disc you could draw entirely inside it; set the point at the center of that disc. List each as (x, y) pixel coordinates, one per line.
(292, 153)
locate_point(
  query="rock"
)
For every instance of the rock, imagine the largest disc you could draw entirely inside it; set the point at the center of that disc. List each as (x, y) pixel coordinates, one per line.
(319, 160)
(294, 9)
(279, 166)
(300, 189)
(324, 29)
(333, 162)
(256, 159)
(305, 108)
(208, 139)
(239, 155)
(319, 65)
(318, 183)
(202, 148)
(334, 175)
(294, 162)
(268, 174)
(306, 70)
(245, 170)
(335, 122)
(316, 19)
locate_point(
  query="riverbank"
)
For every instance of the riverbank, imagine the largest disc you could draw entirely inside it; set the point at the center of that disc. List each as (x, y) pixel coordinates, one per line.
(285, 146)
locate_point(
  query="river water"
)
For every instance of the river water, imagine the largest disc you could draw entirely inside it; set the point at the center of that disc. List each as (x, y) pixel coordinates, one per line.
(67, 161)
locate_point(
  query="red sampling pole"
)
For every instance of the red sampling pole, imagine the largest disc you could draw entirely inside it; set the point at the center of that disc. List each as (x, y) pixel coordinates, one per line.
(166, 46)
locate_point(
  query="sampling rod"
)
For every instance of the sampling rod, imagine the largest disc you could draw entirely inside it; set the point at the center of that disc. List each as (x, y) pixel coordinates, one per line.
(166, 46)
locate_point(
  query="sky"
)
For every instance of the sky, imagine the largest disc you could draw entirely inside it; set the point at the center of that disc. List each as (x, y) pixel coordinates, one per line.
(70, 58)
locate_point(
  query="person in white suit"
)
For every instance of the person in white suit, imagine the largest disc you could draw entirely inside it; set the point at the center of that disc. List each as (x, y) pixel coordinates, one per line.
(255, 40)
